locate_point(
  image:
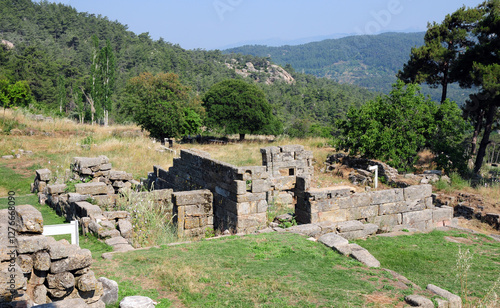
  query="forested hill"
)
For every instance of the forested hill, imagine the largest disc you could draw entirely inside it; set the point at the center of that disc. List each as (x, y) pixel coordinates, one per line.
(51, 47)
(370, 61)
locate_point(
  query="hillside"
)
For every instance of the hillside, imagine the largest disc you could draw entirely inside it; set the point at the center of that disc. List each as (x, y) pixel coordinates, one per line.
(370, 61)
(50, 46)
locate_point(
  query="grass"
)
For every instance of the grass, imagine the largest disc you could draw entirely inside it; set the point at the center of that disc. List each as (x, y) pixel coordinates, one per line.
(267, 270)
(431, 259)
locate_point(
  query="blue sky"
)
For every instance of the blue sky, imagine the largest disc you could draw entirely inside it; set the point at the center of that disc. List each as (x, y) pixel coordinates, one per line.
(217, 24)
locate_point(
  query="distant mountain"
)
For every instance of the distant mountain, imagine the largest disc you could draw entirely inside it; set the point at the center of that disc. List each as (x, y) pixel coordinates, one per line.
(370, 61)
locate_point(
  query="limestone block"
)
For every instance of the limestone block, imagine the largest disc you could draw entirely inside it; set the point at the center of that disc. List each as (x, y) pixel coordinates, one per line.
(332, 240)
(41, 186)
(87, 282)
(62, 281)
(417, 192)
(308, 229)
(333, 216)
(112, 215)
(72, 302)
(410, 218)
(351, 225)
(387, 222)
(28, 219)
(93, 188)
(454, 300)
(442, 213)
(41, 260)
(429, 204)
(104, 200)
(74, 197)
(56, 188)
(125, 227)
(43, 174)
(116, 175)
(86, 162)
(31, 244)
(363, 256)
(108, 234)
(105, 167)
(110, 288)
(192, 197)
(387, 196)
(362, 212)
(249, 197)
(85, 209)
(137, 302)
(259, 186)
(40, 294)
(252, 220)
(77, 259)
(191, 222)
(25, 262)
(59, 250)
(419, 301)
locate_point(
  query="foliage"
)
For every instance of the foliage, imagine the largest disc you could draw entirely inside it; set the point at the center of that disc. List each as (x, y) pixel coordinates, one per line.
(161, 105)
(396, 127)
(239, 108)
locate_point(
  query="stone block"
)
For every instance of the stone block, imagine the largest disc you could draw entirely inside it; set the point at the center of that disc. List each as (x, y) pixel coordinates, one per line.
(410, 218)
(332, 240)
(105, 200)
(442, 213)
(85, 209)
(419, 301)
(74, 197)
(258, 220)
(62, 281)
(6, 282)
(28, 219)
(41, 260)
(112, 215)
(283, 182)
(259, 186)
(40, 294)
(191, 222)
(72, 302)
(56, 188)
(31, 244)
(249, 197)
(308, 229)
(87, 282)
(454, 301)
(363, 256)
(93, 188)
(43, 174)
(125, 227)
(105, 167)
(332, 216)
(25, 262)
(192, 197)
(110, 288)
(387, 196)
(351, 225)
(362, 212)
(77, 259)
(137, 302)
(417, 192)
(386, 222)
(59, 250)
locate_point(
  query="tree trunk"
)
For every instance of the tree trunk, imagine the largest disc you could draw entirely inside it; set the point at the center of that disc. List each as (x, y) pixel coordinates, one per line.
(242, 137)
(490, 116)
(477, 129)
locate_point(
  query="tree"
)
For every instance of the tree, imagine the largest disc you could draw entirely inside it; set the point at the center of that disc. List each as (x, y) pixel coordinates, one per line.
(432, 63)
(479, 66)
(239, 108)
(162, 105)
(395, 127)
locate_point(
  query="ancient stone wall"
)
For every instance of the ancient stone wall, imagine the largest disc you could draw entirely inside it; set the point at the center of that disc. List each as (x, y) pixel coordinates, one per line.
(45, 270)
(391, 209)
(193, 212)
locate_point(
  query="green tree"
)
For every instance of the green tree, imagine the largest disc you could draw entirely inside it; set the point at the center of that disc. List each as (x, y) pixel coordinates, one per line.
(4, 95)
(395, 127)
(239, 108)
(162, 105)
(432, 63)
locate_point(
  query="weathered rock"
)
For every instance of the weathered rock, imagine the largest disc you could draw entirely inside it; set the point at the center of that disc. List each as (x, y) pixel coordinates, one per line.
(125, 227)
(25, 262)
(43, 174)
(454, 300)
(336, 242)
(98, 304)
(306, 229)
(59, 250)
(28, 219)
(56, 188)
(419, 301)
(7, 282)
(38, 277)
(67, 303)
(74, 197)
(137, 302)
(92, 188)
(110, 288)
(77, 259)
(85, 209)
(87, 282)
(347, 226)
(40, 294)
(93, 295)
(41, 260)
(31, 244)
(112, 215)
(60, 281)
(363, 256)
(115, 175)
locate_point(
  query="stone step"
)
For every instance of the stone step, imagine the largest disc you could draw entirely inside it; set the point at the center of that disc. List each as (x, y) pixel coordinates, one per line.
(119, 244)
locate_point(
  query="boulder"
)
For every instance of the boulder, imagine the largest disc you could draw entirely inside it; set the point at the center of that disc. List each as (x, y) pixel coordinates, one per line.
(137, 302)
(28, 219)
(110, 288)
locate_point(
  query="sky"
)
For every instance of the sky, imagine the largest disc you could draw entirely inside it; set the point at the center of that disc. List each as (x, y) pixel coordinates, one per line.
(220, 24)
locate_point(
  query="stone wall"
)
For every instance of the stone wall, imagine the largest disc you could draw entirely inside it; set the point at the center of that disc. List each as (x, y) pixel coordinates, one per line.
(45, 270)
(392, 209)
(193, 212)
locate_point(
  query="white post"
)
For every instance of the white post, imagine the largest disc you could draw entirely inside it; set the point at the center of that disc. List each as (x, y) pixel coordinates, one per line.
(71, 228)
(371, 168)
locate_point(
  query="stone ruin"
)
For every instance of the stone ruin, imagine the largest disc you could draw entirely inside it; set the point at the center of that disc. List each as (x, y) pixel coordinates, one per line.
(42, 270)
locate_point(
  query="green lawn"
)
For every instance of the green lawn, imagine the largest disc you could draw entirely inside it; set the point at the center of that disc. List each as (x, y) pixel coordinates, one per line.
(431, 259)
(267, 270)
(10, 180)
